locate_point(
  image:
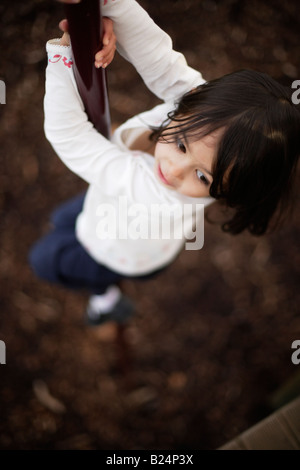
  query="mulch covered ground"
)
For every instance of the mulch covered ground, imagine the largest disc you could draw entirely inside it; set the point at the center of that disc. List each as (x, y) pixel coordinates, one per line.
(211, 341)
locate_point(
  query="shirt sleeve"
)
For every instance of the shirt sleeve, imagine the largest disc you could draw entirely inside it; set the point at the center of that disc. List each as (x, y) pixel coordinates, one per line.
(78, 144)
(150, 50)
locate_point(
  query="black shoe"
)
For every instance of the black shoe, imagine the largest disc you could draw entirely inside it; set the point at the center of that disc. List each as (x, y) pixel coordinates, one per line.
(121, 313)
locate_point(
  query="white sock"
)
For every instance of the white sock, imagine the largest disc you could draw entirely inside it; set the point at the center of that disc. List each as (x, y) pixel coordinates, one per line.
(104, 303)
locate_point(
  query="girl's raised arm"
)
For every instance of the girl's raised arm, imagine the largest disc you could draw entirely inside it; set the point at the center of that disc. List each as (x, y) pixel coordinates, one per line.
(150, 50)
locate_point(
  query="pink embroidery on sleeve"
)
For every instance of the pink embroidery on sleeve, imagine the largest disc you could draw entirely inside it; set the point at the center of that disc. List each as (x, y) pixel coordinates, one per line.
(105, 2)
(67, 64)
(57, 57)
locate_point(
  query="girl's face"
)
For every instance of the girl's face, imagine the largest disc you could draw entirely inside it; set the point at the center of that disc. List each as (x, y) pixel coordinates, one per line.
(186, 167)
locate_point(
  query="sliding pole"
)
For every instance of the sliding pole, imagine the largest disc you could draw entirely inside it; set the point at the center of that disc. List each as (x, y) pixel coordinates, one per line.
(85, 29)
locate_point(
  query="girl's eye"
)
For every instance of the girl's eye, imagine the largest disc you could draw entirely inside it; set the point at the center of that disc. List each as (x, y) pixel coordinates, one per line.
(181, 146)
(202, 177)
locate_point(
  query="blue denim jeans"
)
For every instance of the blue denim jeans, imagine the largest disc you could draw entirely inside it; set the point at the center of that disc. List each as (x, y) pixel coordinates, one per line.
(59, 258)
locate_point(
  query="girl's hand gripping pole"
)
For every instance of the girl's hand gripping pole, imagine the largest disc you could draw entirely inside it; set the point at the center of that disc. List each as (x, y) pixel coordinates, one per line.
(85, 28)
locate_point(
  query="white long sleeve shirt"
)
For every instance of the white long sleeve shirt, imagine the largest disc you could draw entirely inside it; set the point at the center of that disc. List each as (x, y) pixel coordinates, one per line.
(123, 189)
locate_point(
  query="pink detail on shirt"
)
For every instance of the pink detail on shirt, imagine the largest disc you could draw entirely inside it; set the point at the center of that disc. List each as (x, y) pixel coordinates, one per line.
(136, 153)
(67, 64)
(105, 2)
(57, 57)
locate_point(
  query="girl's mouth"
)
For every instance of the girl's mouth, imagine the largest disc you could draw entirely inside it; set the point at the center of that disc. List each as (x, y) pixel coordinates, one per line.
(162, 177)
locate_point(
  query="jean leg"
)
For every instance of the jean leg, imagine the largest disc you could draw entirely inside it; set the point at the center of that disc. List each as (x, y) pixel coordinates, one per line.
(65, 214)
(59, 258)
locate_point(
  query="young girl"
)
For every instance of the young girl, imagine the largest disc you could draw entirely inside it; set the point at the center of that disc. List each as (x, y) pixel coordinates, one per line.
(235, 139)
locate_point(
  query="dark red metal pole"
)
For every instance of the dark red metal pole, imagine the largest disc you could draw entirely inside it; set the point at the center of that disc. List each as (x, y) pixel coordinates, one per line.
(85, 29)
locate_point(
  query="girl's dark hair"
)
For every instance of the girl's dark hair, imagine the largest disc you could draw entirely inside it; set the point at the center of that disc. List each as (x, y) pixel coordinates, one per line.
(258, 151)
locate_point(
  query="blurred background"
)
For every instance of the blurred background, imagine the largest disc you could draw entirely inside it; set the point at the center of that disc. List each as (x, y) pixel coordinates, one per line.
(209, 350)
